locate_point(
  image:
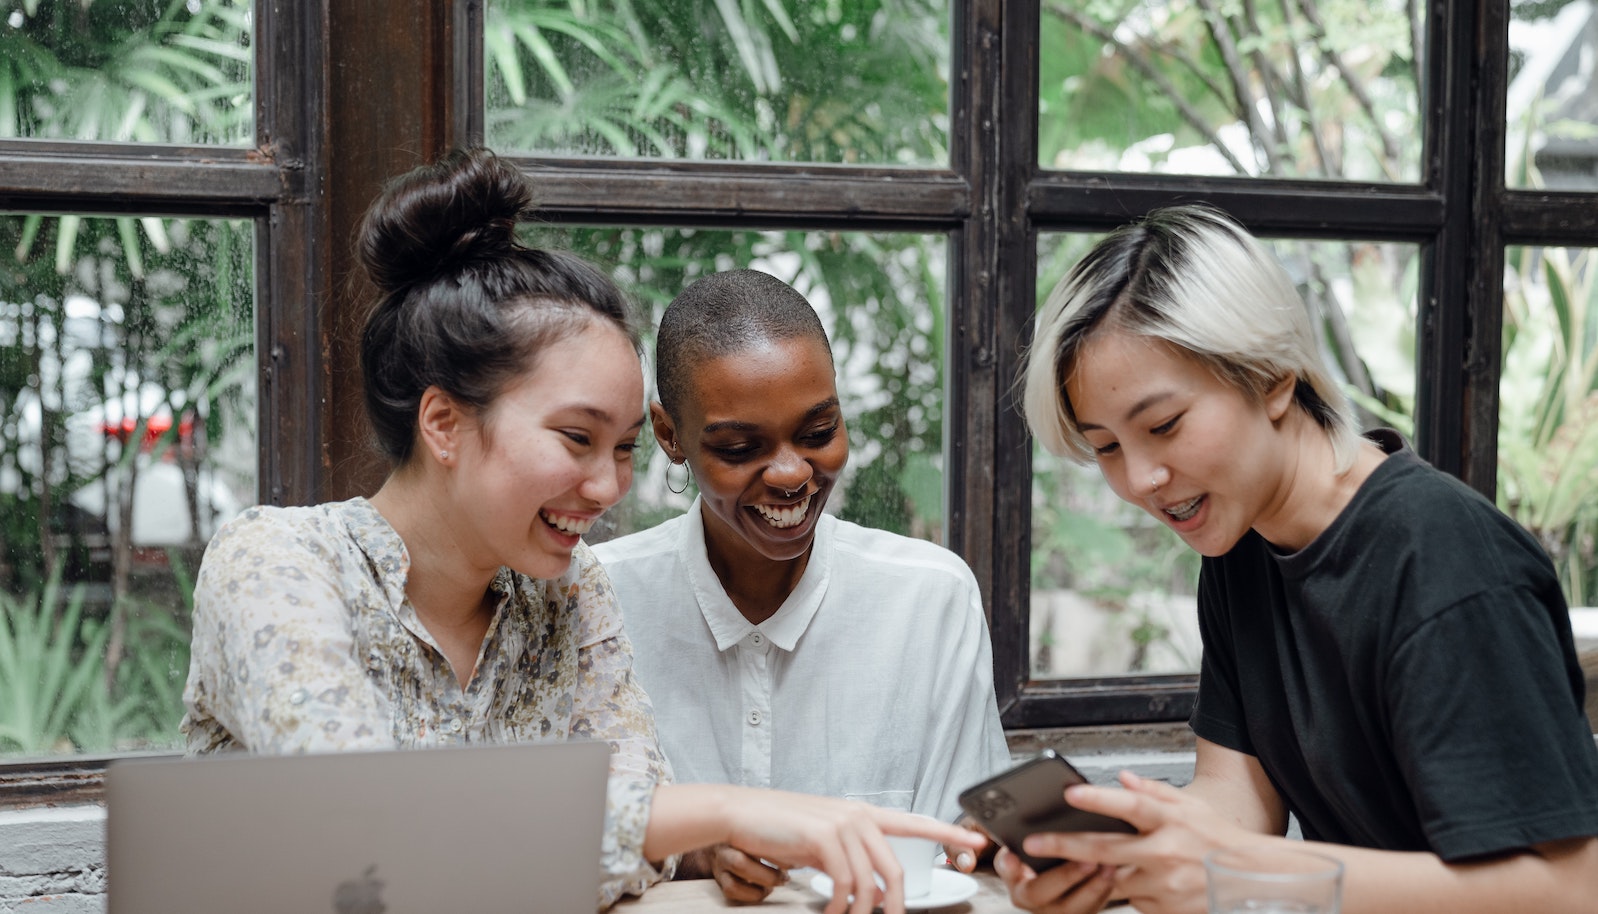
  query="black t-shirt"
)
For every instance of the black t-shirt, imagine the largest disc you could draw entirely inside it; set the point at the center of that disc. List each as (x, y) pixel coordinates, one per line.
(1408, 681)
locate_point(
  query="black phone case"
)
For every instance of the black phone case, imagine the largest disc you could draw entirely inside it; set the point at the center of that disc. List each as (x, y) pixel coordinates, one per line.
(1031, 798)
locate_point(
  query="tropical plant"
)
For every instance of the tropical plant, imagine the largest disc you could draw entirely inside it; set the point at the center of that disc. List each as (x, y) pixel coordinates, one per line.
(840, 81)
(107, 325)
(1548, 415)
(56, 696)
(843, 81)
(51, 670)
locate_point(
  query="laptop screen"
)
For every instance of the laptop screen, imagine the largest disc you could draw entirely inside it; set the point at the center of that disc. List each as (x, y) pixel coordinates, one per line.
(485, 829)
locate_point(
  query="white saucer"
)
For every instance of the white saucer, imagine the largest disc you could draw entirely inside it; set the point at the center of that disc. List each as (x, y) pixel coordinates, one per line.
(948, 887)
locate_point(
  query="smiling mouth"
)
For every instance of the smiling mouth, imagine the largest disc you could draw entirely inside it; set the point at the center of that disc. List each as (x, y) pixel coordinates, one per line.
(1185, 510)
(787, 516)
(571, 526)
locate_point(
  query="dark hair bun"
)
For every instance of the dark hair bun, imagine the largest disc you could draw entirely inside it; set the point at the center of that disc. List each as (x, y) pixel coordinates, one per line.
(440, 217)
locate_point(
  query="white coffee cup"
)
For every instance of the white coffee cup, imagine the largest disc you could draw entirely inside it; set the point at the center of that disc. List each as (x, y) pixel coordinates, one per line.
(916, 857)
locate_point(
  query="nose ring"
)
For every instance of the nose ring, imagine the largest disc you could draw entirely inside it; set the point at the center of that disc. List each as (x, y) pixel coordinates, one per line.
(789, 493)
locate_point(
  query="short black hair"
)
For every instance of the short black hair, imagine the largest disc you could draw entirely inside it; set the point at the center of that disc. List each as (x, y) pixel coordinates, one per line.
(462, 303)
(724, 313)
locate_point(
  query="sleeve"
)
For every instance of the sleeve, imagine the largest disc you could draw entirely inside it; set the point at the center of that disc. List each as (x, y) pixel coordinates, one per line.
(273, 665)
(1218, 712)
(1492, 743)
(611, 705)
(966, 743)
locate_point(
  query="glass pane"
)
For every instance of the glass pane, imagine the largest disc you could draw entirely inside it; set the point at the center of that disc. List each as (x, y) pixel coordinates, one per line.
(881, 299)
(1112, 587)
(840, 81)
(137, 71)
(1548, 409)
(1276, 87)
(1552, 107)
(127, 433)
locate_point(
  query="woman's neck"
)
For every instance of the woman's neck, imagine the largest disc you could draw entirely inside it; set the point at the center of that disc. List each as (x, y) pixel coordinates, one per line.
(449, 593)
(1314, 493)
(756, 585)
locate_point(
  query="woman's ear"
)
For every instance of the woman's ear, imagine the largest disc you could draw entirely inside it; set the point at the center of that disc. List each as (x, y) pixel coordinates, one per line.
(440, 422)
(665, 432)
(1280, 397)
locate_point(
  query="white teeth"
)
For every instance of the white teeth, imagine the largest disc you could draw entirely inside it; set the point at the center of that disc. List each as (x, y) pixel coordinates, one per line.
(1186, 509)
(573, 526)
(791, 516)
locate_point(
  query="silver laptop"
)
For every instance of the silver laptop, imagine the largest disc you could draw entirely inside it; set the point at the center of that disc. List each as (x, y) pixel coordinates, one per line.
(484, 829)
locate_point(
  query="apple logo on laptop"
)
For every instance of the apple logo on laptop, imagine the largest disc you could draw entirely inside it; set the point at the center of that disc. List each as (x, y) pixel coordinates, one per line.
(360, 896)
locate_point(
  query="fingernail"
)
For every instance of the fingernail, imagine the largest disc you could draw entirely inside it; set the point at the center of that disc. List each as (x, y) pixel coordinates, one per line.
(965, 860)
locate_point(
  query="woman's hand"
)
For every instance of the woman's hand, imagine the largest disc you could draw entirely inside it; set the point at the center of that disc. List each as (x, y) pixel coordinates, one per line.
(1070, 888)
(842, 838)
(966, 860)
(743, 879)
(1160, 869)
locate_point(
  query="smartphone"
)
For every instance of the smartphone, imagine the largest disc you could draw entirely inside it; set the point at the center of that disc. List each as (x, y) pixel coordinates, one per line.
(1031, 798)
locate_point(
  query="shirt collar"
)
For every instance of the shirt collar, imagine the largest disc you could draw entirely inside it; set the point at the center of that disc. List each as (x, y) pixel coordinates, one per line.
(727, 624)
(384, 548)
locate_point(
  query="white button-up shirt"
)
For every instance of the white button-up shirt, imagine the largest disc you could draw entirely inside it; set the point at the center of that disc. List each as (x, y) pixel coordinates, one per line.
(873, 681)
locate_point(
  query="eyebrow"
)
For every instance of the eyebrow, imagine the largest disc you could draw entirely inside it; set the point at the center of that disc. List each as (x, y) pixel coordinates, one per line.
(738, 425)
(600, 415)
(1137, 408)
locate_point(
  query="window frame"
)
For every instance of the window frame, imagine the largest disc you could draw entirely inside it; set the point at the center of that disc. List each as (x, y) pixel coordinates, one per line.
(410, 86)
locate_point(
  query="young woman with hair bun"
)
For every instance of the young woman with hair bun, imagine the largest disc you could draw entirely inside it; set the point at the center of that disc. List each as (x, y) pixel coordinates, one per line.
(458, 603)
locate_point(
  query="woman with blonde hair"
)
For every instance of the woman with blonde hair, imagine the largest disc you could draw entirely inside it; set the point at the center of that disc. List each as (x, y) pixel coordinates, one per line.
(1387, 657)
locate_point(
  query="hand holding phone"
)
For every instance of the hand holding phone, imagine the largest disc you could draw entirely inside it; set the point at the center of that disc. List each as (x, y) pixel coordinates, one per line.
(1031, 798)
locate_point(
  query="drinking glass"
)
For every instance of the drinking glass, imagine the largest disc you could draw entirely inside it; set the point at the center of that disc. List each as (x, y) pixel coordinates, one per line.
(1272, 880)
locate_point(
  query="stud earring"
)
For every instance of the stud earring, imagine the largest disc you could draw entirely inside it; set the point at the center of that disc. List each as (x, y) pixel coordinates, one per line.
(688, 477)
(443, 455)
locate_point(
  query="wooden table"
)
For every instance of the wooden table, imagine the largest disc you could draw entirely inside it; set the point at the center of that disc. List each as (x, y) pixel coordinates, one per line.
(693, 896)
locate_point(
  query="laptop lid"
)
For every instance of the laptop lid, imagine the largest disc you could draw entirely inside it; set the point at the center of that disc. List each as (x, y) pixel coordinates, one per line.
(485, 829)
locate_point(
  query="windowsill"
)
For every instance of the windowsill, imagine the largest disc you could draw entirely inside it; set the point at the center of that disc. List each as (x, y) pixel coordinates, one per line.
(79, 779)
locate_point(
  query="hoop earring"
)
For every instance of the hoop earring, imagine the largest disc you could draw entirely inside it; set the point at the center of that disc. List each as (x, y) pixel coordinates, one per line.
(688, 477)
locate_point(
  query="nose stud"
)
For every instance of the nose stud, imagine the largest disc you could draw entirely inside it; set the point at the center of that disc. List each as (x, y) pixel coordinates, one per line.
(1154, 481)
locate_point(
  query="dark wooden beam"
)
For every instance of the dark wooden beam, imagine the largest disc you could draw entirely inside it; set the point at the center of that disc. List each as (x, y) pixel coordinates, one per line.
(1128, 699)
(1278, 208)
(1556, 219)
(390, 108)
(987, 458)
(712, 194)
(1448, 278)
(1480, 36)
(293, 249)
(92, 180)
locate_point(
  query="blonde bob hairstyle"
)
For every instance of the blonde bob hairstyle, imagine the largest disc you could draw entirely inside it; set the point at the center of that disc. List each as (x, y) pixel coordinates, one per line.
(1192, 278)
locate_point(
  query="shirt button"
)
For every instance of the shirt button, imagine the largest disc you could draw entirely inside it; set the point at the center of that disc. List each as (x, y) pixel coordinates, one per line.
(456, 725)
(757, 639)
(299, 697)
(754, 718)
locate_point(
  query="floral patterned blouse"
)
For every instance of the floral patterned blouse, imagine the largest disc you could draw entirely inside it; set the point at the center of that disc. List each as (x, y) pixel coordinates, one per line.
(304, 641)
